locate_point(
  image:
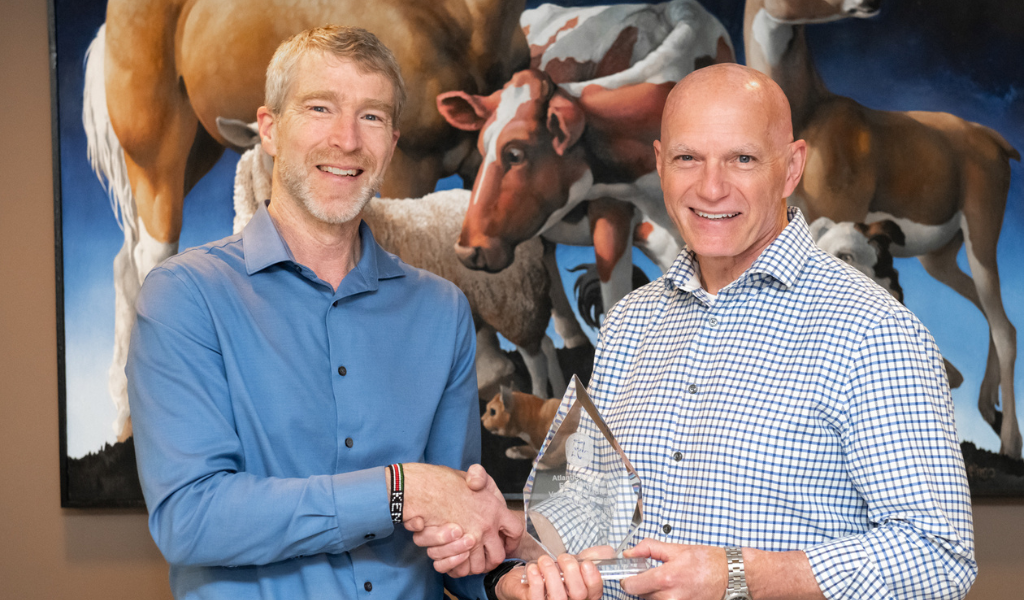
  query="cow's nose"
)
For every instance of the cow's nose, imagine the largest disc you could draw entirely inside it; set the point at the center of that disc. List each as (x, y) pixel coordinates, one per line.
(470, 256)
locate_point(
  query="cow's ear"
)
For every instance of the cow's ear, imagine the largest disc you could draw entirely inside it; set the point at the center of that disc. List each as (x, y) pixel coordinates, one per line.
(464, 111)
(565, 122)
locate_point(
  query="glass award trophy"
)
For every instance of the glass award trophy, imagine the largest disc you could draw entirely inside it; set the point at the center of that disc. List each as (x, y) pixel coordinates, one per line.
(583, 491)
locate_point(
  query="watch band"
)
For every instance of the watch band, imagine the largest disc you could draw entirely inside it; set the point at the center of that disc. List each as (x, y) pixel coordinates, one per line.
(736, 589)
(491, 579)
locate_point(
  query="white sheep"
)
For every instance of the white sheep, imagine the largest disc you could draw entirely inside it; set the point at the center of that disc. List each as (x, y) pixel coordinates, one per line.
(516, 302)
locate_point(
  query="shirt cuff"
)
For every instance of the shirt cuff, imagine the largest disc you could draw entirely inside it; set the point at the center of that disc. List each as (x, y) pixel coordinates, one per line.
(844, 570)
(361, 505)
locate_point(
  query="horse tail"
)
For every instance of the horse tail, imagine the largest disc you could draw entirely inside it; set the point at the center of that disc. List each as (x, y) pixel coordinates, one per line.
(102, 146)
(1008, 150)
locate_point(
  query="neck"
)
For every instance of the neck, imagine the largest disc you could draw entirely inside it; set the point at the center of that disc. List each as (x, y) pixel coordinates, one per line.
(716, 272)
(330, 250)
(779, 50)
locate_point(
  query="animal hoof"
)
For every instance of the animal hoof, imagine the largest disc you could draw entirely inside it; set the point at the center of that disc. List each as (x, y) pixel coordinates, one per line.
(521, 453)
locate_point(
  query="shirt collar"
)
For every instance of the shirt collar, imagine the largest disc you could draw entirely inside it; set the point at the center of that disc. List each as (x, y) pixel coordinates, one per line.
(782, 260)
(263, 247)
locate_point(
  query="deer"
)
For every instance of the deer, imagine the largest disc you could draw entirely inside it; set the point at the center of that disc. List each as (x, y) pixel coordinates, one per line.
(942, 179)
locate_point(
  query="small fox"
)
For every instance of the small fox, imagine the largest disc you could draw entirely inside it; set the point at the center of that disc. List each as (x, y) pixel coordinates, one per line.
(517, 414)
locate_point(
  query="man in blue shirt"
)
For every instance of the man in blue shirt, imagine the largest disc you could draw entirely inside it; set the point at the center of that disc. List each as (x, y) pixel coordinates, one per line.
(790, 420)
(274, 374)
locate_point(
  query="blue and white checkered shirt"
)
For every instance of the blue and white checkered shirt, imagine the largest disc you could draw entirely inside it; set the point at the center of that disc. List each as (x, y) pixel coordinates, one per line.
(800, 408)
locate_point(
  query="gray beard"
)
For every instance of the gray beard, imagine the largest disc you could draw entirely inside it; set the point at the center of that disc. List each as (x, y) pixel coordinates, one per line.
(298, 187)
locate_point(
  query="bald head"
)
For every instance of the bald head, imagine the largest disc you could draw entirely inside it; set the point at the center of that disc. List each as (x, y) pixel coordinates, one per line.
(727, 162)
(730, 82)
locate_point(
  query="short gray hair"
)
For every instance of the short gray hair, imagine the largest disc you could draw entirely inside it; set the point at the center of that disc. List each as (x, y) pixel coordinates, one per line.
(347, 43)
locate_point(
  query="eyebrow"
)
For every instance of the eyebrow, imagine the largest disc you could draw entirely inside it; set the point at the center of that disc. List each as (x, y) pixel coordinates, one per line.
(319, 95)
(329, 96)
(749, 150)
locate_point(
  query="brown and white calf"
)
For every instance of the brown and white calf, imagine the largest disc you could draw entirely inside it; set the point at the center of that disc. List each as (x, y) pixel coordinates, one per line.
(944, 180)
(573, 160)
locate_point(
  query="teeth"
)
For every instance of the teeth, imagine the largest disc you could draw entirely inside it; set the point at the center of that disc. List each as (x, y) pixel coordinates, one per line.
(712, 216)
(334, 171)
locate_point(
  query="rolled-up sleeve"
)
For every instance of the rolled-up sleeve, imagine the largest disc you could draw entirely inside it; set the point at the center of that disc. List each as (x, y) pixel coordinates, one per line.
(904, 459)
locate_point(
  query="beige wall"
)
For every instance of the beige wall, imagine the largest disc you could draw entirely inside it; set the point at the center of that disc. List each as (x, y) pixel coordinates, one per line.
(51, 553)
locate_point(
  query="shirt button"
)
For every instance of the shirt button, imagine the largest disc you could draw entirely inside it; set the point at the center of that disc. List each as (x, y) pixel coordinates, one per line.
(713, 321)
(348, 442)
(369, 536)
(692, 389)
(666, 528)
(677, 456)
(342, 371)
(368, 586)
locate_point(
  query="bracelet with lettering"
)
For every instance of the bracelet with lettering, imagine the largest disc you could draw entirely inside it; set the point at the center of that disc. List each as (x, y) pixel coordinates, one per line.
(397, 477)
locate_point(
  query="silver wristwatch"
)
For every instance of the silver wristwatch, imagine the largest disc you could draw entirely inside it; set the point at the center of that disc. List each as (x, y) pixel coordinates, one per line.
(737, 586)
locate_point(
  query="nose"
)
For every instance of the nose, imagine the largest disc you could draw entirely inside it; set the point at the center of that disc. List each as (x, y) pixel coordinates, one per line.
(344, 133)
(712, 185)
(470, 256)
(492, 256)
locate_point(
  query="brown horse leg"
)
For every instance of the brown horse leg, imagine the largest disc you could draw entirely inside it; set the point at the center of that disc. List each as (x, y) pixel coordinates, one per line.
(154, 123)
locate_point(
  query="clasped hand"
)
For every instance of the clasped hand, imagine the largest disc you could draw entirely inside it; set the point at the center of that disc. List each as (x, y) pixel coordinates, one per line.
(460, 517)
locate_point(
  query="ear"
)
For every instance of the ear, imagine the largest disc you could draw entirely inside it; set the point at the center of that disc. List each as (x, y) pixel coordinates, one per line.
(464, 111)
(795, 168)
(507, 399)
(820, 227)
(239, 133)
(565, 122)
(265, 121)
(887, 228)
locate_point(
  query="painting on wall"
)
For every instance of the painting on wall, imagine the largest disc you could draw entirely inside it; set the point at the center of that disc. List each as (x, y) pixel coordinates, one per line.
(934, 222)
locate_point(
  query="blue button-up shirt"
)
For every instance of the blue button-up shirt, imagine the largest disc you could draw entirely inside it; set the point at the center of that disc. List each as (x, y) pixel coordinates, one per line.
(801, 408)
(265, 404)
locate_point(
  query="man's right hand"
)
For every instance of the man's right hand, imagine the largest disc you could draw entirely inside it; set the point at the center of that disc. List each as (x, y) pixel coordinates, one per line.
(462, 508)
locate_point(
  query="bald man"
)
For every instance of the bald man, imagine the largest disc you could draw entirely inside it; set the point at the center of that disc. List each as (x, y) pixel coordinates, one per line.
(791, 422)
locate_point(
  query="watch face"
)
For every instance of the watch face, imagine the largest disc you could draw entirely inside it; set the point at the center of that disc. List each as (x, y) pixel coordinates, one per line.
(737, 596)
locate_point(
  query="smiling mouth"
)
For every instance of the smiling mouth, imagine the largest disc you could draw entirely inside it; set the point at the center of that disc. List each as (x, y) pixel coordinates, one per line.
(340, 172)
(714, 217)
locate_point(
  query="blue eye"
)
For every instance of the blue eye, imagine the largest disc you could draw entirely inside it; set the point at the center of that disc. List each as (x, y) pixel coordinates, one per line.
(744, 158)
(686, 157)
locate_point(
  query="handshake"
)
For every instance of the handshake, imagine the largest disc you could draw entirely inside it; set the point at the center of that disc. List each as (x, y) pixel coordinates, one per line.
(463, 522)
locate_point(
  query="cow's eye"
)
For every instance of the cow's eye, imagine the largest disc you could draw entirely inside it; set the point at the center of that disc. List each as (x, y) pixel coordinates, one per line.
(514, 156)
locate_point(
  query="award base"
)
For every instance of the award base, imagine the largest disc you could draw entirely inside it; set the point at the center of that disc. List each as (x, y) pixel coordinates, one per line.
(614, 569)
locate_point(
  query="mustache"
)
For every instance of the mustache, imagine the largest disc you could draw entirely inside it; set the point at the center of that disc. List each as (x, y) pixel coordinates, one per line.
(359, 159)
